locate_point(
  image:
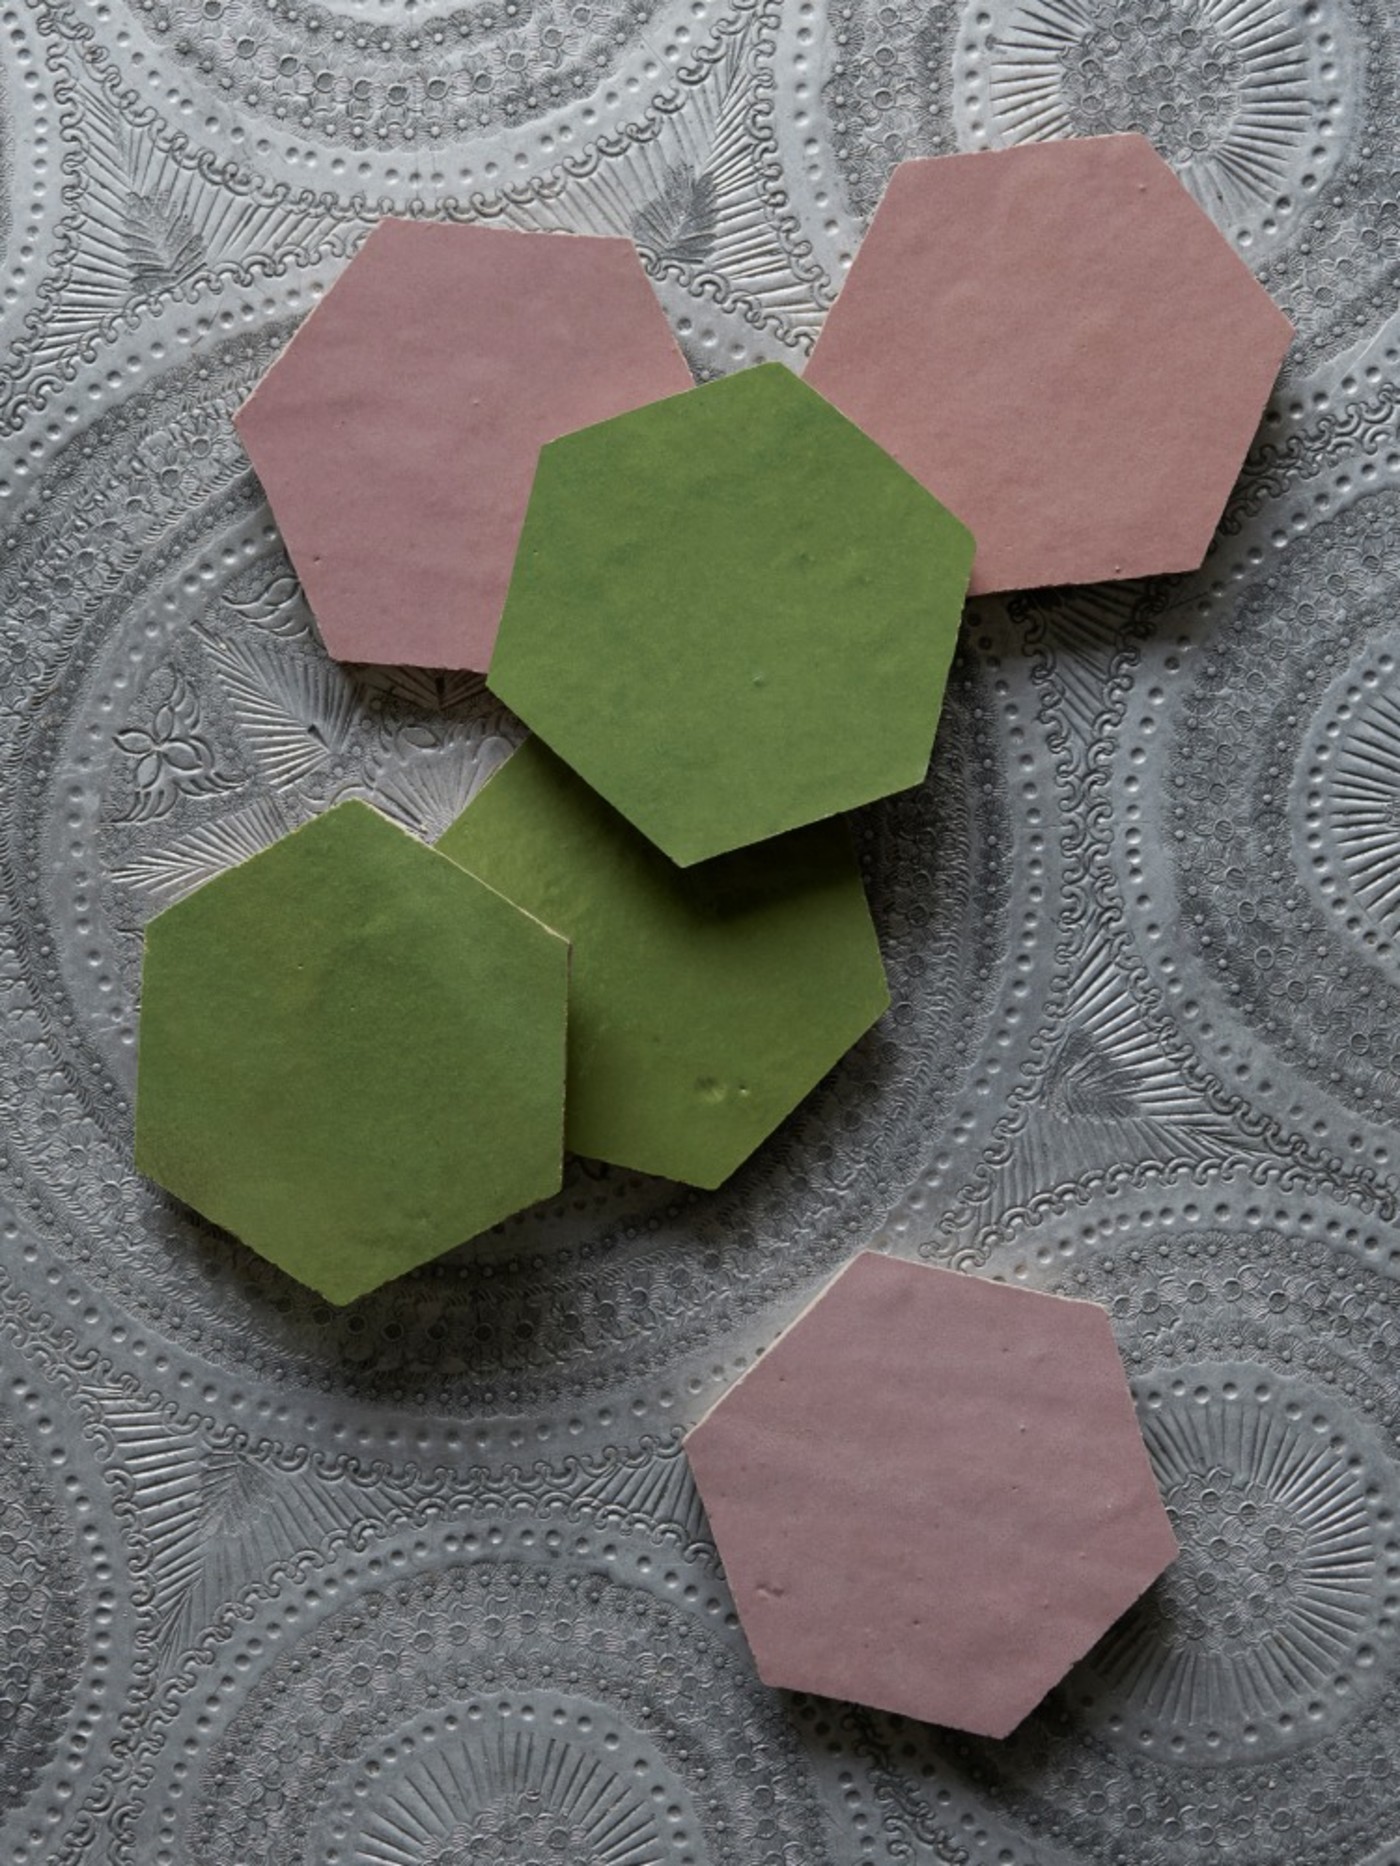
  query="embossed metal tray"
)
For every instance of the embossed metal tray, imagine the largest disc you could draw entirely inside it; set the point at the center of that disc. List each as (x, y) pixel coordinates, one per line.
(426, 1581)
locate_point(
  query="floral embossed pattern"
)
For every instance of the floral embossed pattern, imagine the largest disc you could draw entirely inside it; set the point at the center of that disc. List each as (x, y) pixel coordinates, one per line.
(426, 1580)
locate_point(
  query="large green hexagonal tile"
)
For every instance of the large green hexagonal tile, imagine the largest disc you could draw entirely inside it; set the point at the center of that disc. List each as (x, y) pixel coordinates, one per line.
(732, 613)
(704, 1002)
(351, 1053)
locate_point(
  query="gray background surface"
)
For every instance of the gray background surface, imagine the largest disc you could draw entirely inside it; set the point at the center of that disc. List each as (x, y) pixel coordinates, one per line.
(425, 1581)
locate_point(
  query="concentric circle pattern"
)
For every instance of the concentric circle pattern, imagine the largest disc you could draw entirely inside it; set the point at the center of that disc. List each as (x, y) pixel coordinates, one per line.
(512, 1711)
(1272, 1610)
(356, 75)
(1273, 114)
(426, 1579)
(1232, 95)
(1275, 929)
(503, 1790)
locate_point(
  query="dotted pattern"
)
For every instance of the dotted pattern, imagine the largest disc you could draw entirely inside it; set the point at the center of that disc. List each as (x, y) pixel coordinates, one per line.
(427, 1580)
(1272, 113)
(1248, 106)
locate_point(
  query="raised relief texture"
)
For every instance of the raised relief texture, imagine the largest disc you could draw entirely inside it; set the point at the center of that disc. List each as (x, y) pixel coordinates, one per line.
(427, 1578)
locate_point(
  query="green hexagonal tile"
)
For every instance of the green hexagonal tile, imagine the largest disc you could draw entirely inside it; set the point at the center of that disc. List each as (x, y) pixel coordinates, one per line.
(351, 1053)
(704, 1002)
(732, 613)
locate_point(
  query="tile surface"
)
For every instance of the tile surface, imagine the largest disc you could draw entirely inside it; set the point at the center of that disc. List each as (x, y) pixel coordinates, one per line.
(931, 1494)
(396, 439)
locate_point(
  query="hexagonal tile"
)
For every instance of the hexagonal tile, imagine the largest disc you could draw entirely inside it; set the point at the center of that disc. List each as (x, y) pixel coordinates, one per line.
(1059, 342)
(703, 1002)
(351, 1053)
(397, 433)
(931, 1495)
(732, 613)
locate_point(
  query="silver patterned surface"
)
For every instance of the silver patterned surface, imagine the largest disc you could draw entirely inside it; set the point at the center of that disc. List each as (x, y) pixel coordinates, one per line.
(425, 1583)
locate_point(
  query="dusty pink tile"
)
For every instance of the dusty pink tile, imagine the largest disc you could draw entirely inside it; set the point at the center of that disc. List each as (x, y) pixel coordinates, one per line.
(396, 436)
(931, 1495)
(1061, 345)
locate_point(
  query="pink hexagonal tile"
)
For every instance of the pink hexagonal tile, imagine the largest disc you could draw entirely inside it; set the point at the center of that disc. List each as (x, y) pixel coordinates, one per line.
(1062, 346)
(931, 1495)
(396, 435)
